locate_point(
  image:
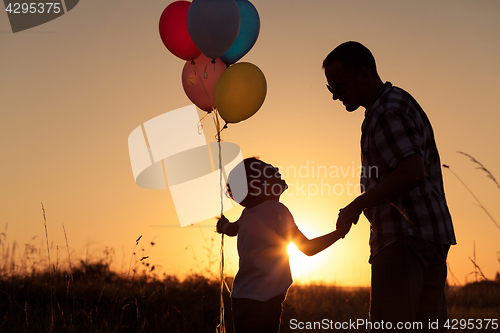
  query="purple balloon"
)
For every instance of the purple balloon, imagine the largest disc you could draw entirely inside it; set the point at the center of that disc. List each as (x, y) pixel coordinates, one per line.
(213, 25)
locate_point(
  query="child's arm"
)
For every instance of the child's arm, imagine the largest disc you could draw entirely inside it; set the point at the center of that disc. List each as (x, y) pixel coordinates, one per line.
(313, 246)
(226, 227)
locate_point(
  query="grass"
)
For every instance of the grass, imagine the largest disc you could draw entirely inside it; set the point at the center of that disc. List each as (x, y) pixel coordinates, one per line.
(489, 175)
(38, 295)
(96, 299)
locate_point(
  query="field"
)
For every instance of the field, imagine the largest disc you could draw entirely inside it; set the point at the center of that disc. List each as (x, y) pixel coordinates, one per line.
(37, 295)
(94, 299)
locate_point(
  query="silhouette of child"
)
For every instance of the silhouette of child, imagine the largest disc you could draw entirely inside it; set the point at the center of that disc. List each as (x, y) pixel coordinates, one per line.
(265, 229)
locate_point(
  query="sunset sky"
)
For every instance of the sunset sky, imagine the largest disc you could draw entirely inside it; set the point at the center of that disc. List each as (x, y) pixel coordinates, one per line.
(73, 89)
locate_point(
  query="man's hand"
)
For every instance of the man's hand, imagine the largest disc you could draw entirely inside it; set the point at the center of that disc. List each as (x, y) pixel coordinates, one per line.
(347, 216)
(343, 228)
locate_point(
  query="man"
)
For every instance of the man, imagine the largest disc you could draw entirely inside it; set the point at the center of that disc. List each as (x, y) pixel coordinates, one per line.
(404, 200)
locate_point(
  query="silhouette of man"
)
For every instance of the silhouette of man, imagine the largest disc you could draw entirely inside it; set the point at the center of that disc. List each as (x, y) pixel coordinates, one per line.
(403, 198)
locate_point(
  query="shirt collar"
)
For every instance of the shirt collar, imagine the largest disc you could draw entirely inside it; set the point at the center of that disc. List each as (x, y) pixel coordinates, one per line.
(384, 90)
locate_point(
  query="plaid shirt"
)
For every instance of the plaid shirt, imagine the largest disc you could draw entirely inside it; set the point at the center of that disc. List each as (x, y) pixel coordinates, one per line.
(395, 127)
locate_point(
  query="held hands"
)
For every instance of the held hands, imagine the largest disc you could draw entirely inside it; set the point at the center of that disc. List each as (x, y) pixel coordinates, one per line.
(348, 216)
(343, 228)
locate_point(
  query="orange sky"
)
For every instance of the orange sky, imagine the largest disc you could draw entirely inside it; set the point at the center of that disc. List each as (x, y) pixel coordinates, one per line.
(73, 89)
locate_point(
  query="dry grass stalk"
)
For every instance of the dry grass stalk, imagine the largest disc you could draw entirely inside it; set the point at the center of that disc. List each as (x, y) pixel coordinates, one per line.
(46, 233)
(455, 279)
(52, 295)
(478, 269)
(133, 254)
(400, 212)
(481, 167)
(67, 247)
(472, 193)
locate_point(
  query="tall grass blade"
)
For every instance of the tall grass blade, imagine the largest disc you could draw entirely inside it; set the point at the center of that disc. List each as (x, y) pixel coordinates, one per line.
(481, 167)
(46, 233)
(472, 193)
(67, 247)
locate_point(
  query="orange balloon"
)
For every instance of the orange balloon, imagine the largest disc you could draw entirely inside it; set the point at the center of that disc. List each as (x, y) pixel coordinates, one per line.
(240, 92)
(199, 80)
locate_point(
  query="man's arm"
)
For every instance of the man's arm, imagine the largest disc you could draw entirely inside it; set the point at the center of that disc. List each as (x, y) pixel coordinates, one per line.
(409, 173)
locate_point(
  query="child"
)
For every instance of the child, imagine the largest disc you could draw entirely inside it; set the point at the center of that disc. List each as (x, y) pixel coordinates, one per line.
(265, 229)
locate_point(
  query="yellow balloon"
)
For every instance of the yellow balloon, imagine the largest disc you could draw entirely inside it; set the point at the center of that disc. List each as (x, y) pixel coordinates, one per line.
(240, 92)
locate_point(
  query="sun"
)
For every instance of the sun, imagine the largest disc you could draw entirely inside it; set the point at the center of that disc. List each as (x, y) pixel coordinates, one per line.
(304, 269)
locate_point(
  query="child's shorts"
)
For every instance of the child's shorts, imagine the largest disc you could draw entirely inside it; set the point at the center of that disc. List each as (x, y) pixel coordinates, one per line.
(255, 316)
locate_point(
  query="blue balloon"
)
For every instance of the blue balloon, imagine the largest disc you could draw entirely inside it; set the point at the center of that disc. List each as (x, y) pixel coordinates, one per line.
(247, 36)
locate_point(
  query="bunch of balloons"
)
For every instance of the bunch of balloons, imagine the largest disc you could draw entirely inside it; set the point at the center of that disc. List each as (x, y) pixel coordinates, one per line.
(212, 35)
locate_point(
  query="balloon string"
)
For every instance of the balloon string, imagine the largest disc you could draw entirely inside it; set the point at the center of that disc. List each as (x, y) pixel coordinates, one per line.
(204, 117)
(221, 327)
(216, 119)
(218, 127)
(205, 75)
(200, 125)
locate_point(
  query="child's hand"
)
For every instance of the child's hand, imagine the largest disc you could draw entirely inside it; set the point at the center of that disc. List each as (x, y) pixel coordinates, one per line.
(227, 228)
(221, 223)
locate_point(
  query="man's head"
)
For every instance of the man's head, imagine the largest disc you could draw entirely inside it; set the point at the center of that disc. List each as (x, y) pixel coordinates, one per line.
(352, 76)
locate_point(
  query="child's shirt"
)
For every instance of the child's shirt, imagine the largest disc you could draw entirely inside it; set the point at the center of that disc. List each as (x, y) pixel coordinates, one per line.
(264, 269)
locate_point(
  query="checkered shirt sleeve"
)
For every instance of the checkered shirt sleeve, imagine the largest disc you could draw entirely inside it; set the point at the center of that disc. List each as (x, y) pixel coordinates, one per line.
(394, 128)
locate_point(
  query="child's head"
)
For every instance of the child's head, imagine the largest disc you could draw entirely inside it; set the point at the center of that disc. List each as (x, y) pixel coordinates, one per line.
(263, 182)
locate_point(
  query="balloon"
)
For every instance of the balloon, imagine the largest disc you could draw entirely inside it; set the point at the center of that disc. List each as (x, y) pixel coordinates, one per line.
(213, 25)
(240, 92)
(174, 32)
(249, 31)
(199, 80)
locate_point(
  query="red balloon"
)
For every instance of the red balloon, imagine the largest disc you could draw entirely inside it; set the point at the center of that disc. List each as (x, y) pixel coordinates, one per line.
(174, 32)
(199, 80)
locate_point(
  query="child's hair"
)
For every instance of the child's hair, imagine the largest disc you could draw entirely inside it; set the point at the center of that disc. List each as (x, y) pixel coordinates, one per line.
(246, 180)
